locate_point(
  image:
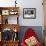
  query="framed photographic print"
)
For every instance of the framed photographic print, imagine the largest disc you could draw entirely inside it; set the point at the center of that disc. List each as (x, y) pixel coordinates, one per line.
(5, 12)
(29, 13)
(13, 12)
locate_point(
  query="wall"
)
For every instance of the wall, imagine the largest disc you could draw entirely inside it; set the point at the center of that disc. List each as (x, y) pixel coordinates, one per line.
(27, 4)
(39, 13)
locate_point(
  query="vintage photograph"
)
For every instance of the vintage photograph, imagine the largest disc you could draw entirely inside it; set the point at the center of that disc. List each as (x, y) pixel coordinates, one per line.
(29, 13)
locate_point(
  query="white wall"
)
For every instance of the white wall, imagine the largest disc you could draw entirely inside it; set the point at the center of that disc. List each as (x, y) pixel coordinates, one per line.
(39, 12)
(27, 4)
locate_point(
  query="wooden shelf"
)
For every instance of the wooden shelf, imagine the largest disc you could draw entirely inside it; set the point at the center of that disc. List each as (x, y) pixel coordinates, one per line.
(11, 26)
(4, 13)
(9, 7)
(9, 43)
(8, 10)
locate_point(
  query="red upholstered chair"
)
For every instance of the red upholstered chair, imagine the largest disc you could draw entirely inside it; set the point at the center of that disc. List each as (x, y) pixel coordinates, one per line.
(28, 34)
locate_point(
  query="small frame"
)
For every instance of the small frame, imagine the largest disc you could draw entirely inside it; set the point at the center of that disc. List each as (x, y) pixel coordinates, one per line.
(5, 12)
(13, 12)
(29, 13)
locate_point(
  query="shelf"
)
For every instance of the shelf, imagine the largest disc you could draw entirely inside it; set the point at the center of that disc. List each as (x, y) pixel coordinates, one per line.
(9, 10)
(10, 26)
(11, 41)
(5, 12)
(4, 8)
(7, 23)
(10, 20)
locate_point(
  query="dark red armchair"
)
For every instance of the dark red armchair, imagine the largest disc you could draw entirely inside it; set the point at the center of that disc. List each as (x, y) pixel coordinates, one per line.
(29, 36)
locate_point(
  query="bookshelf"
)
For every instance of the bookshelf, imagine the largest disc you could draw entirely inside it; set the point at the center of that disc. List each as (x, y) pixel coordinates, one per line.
(9, 24)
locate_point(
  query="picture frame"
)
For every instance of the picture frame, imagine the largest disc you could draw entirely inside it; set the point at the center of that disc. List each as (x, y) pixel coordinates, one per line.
(29, 13)
(5, 12)
(13, 12)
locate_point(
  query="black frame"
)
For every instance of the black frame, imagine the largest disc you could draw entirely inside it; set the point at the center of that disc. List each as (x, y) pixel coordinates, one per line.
(29, 12)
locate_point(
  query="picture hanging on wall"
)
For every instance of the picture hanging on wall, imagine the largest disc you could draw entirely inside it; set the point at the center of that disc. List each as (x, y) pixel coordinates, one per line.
(29, 13)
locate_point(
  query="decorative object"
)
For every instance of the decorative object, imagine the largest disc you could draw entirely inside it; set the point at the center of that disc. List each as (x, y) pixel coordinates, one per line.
(13, 12)
(15, 3)
(15, 30)
(7, 34)
(31, 41)
(6, 21)
(15, 36)
(29, 13)
(5, 12)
